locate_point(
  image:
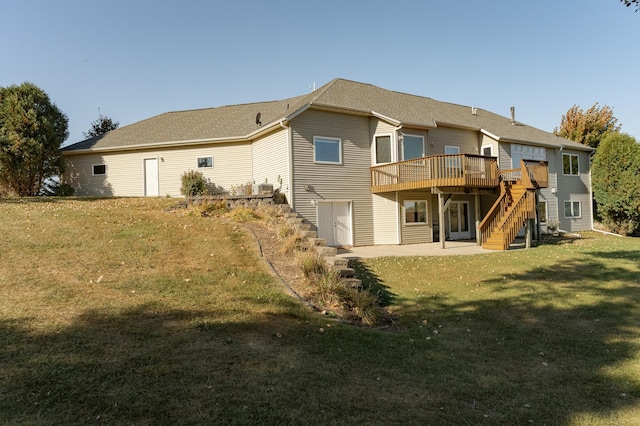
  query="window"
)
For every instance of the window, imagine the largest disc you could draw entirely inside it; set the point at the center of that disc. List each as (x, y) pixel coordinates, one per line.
(542, 211)
(415, 212)
(572, 209)
(570, 164)
(205, 162)
(99, 169)
(487, 151)
(412, 147)
(383, 149)
(327, 150)
(452, 150)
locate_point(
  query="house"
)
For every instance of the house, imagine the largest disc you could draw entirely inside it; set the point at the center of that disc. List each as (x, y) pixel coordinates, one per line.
(363, 165)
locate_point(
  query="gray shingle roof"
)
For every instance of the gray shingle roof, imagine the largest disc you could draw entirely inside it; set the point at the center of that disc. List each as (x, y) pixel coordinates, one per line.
(238, 122)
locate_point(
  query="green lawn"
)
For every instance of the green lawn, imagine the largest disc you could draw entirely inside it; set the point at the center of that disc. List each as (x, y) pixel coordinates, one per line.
(118, 312)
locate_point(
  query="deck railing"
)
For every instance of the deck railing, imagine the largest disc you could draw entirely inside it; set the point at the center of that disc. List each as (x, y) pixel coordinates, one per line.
(437, 170)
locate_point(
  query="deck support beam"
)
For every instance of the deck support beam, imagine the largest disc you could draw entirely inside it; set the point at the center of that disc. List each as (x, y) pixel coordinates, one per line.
(441, 207)
(478, 236)
(528, 232)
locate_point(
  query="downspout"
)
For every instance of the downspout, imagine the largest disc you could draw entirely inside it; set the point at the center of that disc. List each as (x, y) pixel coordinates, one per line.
(289, 162)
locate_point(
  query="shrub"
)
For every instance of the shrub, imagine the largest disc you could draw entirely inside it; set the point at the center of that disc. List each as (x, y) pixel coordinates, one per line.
(312, 264)
(193, 183)
(243, 214)
(213, 208)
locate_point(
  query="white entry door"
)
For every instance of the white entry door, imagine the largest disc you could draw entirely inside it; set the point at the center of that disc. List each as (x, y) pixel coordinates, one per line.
(151, 177)
(459, 228)
(334, 222)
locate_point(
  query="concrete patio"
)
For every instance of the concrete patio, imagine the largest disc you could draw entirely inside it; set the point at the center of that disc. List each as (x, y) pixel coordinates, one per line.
(453, 248)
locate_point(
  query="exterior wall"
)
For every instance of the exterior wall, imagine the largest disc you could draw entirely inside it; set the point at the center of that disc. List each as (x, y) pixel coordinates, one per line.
(466, 140)
(489, 141)
(504, 156)
(125, 170)
(485, 204)
(271, 160)
(416, 233)
(549, 194)
(349, 181)
(385, 218)
(382, 128)
(574, 188)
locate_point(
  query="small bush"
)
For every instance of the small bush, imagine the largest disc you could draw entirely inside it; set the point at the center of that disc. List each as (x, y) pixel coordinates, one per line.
(312, 264)
(327, 288)
(214, 208)
(193, 184)
(243, 214)
(363, 303)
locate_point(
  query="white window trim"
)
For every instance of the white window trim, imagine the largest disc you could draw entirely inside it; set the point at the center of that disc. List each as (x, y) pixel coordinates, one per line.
(205, 167)
(331, 138)
(570, 164)
(426, 213)
(451, 146)
(424, 148)
(375, 147)
(490, 149)
(565, 209)
(93, 170)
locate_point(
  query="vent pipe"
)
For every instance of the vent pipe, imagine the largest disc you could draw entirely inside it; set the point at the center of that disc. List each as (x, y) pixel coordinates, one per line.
(513, 115)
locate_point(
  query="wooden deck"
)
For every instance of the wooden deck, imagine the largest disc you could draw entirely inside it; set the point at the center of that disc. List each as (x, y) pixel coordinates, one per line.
(457, 170)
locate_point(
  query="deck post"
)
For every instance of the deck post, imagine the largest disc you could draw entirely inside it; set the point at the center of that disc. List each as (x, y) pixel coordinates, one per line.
(528, 231)
(478, 236)
(441, 218)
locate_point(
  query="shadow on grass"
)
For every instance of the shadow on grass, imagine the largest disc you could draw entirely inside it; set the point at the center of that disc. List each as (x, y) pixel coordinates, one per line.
(372, 282)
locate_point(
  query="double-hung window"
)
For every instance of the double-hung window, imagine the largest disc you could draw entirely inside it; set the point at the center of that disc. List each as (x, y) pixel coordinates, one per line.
(327, 150)
(570, 165)
(572, 209)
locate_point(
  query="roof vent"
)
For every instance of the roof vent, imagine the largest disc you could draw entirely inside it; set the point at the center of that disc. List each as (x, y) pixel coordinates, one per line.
(474, 110)
(258, 122)
(513, 115)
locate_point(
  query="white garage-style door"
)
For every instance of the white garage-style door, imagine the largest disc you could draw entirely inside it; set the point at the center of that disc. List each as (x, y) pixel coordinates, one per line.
(334, 222)
(151, 177)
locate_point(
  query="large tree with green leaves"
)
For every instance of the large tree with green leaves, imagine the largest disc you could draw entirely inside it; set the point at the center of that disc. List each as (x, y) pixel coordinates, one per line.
(32, 129)
(101, 126)
(615, 178)
(587, 127)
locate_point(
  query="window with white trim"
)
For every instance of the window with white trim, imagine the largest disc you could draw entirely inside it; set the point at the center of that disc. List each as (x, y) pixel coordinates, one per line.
(205, 162)
(487, 150)
(412, 147)
(572, 209)
(570, 165)
(415, 212)
(383, 149)
(99, 169)
(327, 150)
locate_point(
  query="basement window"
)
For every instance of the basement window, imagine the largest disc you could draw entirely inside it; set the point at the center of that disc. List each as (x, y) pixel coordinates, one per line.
(572, 209)
(99, 169)
(415, 212)
(205, 162)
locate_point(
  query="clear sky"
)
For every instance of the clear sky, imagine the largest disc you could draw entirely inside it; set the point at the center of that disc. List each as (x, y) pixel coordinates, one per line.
(133, 59)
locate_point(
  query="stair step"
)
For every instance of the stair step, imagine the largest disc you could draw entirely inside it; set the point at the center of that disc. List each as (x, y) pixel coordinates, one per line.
(290, 215)
(326, 251)
(317, 242)
(345, 272)
(339, 262)
(353, 283)
(303, 226)
(309, 234)
(295, 220)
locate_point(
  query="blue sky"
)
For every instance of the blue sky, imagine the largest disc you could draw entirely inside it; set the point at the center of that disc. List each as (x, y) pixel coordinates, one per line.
(134, 59)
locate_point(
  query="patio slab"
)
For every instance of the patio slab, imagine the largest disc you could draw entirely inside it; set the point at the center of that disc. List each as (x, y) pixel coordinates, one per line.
(453, 248)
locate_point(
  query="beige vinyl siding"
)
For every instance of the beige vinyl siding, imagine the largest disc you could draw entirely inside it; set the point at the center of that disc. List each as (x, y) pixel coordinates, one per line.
(385, 218)
(466, 140)
(416, 233)
(489, 141)
(125, 170)
(574, 188)
(271, 160)
(349, 181)
(382, 128)
(504, 156)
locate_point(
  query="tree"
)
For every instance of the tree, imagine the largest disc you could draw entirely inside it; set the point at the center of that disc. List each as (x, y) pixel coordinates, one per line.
(616, 182)
(32, 129)
(587, 127)
(632, 2)
(101, 126)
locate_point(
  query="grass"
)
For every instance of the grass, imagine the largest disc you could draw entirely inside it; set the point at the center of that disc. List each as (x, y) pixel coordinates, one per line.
(115, 311)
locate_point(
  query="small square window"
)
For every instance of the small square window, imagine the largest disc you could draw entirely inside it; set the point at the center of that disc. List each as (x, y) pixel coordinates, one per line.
(205, 162)
(327, 150)
(99, 169)
(572, 209)
(415, 212)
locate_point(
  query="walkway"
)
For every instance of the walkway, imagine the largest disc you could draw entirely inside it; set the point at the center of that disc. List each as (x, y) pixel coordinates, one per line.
(453, 248)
